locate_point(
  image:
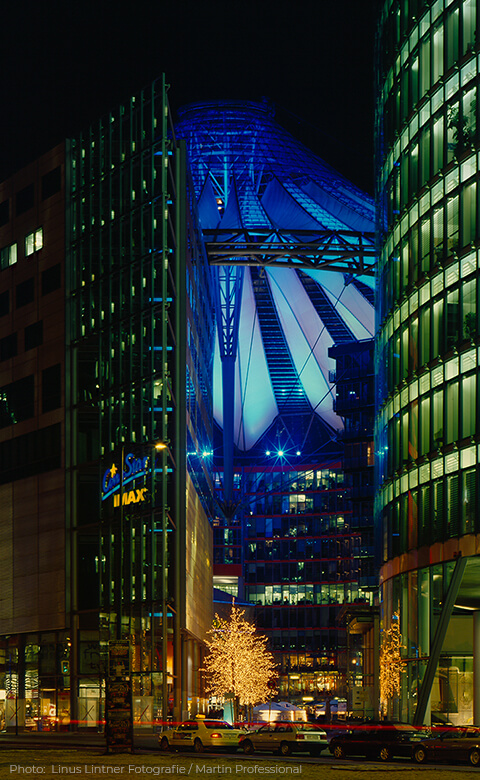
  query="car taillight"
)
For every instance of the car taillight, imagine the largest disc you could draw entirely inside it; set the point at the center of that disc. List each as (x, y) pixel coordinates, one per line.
(300, 736)
(215, 735)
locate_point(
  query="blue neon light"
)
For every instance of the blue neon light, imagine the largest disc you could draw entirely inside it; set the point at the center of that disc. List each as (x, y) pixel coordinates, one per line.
(134, 468)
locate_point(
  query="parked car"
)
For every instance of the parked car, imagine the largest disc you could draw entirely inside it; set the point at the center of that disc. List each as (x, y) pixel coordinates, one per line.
(382, 740)
(286, 738)
(200, 735)
(455, 744)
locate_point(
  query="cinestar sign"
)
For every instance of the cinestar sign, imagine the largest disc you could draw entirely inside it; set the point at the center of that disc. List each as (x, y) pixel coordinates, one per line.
(134, 468)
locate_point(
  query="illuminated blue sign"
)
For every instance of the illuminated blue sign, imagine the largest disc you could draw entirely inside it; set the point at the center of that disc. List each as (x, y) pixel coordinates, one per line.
(134, 468)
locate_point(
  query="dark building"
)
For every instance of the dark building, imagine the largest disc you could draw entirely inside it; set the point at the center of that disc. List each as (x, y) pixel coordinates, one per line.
(34, 587)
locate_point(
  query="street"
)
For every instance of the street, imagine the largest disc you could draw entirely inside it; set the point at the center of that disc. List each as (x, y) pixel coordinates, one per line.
(21, 759)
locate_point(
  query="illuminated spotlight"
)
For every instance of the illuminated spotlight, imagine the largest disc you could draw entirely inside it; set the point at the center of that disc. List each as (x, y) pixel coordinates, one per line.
(267, 452)
(205, 453)
(298, 452)
(280, 453)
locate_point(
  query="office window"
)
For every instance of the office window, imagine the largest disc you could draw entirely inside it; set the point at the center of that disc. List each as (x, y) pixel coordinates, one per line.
(425, 155)
(34, 335)
(8, 346)
(452, 412)
(452, 223)
(469, 480)
(437, 329)
(33, 242)
(469, 213)
(4, 303)
(469, 24)
(453, 318)
(51, 279)
(438, 418)
(425, 66)
(438, 136)
(51, 388)
(17, 401)
(25, 199)
(437, 52)
(8, 256)
(34, 453)
(51, 182)
(425, 426)
(469, 309)
(25, 292)
(4, 212)
(452, 37)
(468, 405)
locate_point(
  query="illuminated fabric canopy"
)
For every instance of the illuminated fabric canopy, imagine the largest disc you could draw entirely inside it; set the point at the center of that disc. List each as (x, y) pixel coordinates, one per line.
(256, 184)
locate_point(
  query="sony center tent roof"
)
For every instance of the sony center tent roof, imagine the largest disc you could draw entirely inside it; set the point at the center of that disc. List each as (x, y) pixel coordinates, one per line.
(257, 185)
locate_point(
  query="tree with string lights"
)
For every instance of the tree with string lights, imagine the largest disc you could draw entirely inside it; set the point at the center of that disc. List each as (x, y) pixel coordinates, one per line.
(391, 663)
(238, 662)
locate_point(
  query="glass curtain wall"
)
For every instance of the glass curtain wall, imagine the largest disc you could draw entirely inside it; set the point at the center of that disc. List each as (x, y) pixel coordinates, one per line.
(427, 337)
(302, 556)
(122, 293)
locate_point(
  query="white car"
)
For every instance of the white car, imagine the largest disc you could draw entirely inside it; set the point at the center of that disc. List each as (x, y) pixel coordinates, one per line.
(201, 734)
(286, 738)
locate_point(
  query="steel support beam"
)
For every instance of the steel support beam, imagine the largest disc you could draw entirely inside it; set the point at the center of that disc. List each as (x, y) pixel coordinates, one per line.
(436, 648)
(228, 283)
(345, 251)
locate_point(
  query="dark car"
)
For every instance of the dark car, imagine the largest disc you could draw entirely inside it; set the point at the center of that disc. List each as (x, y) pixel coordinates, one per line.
(455, 744)
(383, 740)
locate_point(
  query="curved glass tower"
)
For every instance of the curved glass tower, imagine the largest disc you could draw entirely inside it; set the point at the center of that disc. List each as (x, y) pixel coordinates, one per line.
(427, 349)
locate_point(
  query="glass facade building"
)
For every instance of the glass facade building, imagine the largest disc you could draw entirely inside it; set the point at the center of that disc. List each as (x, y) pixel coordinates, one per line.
(427, 346)
(140, 349)
(105, 367)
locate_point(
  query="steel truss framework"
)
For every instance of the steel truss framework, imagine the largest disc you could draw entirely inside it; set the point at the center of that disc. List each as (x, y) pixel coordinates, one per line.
(347, 251)
(264, 200)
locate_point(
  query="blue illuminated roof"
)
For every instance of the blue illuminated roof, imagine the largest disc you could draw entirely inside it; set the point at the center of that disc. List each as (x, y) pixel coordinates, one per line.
(249, 173)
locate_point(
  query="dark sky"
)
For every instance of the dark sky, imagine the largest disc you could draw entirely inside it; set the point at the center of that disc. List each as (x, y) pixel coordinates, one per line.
(63, 64)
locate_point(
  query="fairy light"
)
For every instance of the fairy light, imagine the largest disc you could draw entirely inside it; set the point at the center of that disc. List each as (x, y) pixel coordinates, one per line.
(391, 663)
(238, 662)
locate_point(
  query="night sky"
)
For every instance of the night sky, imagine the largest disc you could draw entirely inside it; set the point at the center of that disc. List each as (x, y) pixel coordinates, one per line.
(64, 64)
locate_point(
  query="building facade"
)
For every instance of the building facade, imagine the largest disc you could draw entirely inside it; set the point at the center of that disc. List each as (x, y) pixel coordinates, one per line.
(107, 360)
(427, 349)
(34, 639)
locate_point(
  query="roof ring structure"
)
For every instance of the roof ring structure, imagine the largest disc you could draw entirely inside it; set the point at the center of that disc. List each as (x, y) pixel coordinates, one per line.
(292, 245)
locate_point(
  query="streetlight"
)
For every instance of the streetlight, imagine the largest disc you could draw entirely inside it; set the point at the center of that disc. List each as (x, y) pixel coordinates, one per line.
(163, 447)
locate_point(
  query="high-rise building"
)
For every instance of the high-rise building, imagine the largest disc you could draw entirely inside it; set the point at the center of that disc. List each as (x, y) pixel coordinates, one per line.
(33, 539)
(427, 351)
(105, 359)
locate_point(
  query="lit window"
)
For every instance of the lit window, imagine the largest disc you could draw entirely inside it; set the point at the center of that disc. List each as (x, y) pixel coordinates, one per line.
(8, 256)
(33, 242)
